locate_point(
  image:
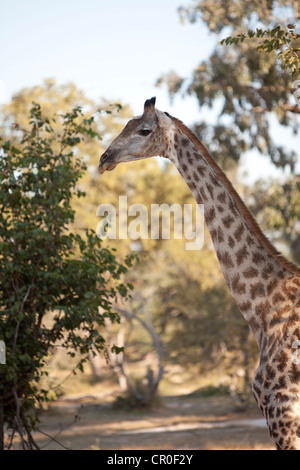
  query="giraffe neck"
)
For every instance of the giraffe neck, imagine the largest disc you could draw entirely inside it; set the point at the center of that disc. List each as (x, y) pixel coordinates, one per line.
(250, 264)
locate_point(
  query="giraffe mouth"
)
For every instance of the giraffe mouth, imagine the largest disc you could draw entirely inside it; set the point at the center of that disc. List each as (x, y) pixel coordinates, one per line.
(110, 167)
(106, 165)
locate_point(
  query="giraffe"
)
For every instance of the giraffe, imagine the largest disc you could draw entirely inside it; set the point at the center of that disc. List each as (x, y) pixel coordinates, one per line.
(265, 286)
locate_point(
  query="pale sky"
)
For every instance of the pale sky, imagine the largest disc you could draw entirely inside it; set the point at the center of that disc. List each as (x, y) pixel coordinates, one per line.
(114, 49)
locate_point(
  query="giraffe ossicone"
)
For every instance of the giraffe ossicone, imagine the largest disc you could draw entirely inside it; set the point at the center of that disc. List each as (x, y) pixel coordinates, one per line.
(265, 286)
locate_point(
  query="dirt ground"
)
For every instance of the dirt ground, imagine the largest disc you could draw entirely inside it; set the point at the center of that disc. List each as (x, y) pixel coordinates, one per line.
(186, 423)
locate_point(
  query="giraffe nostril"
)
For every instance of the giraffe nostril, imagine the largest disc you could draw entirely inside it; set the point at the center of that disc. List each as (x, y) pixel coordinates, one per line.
(106, 162)
(103, 157)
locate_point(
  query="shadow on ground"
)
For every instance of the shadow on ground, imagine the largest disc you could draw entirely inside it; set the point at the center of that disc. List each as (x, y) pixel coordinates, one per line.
(178, 423)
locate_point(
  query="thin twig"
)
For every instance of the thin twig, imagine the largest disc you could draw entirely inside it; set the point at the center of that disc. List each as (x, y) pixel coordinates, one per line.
(18, 324)
(54, 438)
(66, 378)
(51, 439)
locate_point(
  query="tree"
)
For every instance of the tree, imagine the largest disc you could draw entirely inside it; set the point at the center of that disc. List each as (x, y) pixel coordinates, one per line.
(253, 87)
(45, 267)
(277, 206)
(249, 90)
(281, 40)
(137, 393)
(108, 120)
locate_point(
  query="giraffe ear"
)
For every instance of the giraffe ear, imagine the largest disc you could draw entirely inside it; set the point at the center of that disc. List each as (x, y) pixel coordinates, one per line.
(149, 105)
(164, 119)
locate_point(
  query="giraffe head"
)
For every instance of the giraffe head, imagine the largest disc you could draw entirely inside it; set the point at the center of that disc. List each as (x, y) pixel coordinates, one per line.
(143, 137)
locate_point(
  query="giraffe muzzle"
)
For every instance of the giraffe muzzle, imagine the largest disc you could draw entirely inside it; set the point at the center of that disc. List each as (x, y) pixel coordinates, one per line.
(107, 163)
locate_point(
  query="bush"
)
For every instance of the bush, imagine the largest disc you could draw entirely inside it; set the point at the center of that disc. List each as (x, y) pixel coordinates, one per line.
(44, 267)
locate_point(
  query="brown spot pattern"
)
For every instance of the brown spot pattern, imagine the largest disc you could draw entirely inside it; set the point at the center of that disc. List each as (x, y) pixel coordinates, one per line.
(210, 215)
(250, 272)
(238, 234)
(257, 290)
(225, 259)
(237, 286)
(227, 221)
(241, 255)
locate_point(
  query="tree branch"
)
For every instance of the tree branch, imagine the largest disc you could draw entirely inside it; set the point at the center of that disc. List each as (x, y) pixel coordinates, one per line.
(156, 341)
(18, 324)
(18, 420)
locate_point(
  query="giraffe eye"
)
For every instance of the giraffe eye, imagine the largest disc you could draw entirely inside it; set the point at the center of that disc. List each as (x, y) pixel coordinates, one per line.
(145, 132)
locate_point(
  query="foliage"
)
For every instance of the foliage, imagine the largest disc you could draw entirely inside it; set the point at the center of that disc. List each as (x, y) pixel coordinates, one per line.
(247, 89)
(211, 391)
(219, 15)
(278, 39)
(277, 207)
(276, 204)
(44, 266)
(108, 121)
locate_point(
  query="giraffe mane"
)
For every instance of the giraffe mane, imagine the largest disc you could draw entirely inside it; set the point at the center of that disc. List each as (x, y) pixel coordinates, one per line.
(239, 202)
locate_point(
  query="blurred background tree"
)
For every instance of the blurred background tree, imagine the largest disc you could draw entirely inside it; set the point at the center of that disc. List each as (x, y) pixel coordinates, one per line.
(250, 91)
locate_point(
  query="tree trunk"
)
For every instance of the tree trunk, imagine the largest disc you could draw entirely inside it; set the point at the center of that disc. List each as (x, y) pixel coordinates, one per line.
(153, 381)
(96, 365)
